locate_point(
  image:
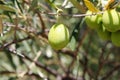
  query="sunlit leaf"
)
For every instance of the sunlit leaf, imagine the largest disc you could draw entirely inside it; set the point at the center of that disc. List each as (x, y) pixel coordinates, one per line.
(78, 5)
(90, 6)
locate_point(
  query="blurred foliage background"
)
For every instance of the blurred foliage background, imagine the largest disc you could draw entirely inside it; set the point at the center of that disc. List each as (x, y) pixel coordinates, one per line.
(25, 53)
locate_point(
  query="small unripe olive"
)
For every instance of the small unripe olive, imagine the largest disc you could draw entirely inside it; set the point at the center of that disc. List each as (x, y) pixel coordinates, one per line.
(93, 21)
(111, 20)
(103, 33)
(58, 36)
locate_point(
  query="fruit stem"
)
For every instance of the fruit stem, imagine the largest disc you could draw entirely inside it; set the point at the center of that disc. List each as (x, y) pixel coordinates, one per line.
(58, 16)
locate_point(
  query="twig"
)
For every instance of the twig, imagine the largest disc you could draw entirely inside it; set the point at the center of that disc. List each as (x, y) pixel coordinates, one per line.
(42, 22)
(60, 63)
(30, 31)
(49, 70)
(81, 41)
(67, 52)
(77, 50)
(111, 72)
(101, 61)
(13, 72)
(15, 30)
(85, 65)
(17, 41)
(88, 70)
(72, 15)
(31, 65)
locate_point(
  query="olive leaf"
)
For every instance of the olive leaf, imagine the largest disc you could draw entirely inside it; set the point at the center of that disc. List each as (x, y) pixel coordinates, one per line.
(7, 8)
(90, 6)
(78, 6)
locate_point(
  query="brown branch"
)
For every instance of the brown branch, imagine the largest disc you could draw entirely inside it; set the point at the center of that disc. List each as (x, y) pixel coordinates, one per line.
(42, 22)
(101, 61)
(81, 41)
(86, 68)
(90, 73)
(30, 31)
(60, 63)
(40, 65)
(14, 41)
(77, 50)
(111, 72)
(67, 52)
(85, 65)
(15, 73)
(51, 71)
(70, 15)
(47, 69)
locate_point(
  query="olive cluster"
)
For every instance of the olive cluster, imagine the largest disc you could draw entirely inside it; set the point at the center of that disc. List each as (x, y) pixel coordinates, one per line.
(107, 25)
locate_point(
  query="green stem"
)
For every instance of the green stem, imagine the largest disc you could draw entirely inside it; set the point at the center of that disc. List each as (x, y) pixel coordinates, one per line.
(58, 16)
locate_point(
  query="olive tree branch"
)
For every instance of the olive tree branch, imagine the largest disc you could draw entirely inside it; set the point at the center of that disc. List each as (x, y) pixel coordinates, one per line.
(71, 15)
(101, 61)
(38, 64)
(77, 50)
(31, 65)
(15, 73)
(42, 22)
(16, 41)
(30, 31)
(108, 74)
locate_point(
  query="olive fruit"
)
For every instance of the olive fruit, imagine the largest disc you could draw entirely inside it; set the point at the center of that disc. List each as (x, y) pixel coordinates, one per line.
(93, 21)
(111, 20)
(115, 37)
(103, 33)
(58, 36)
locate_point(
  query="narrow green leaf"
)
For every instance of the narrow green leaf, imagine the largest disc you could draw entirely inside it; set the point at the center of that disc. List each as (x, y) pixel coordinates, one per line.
(3, 16)
(78, 6)
(7, 8)
(51, 4)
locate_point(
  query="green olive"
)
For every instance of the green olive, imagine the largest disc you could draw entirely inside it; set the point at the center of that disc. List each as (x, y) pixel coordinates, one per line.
(58, 36)
(111, 20)
(93, 21)
(103, 33)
